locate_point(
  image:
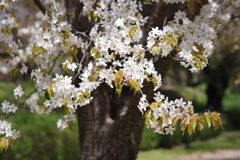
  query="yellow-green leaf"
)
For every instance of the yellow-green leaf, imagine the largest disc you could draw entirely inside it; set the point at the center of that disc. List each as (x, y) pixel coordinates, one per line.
(191, 110)
(154, 105)
(73, 50)
(18, 25)
(119, 89)
(156, 49)
(95, 53)
(2, 7)
(160, 123)
(65, 44)
(208, 120)
(38, 51)
(95, 17)
(198, 64)
(199, 1)
(131, 34)
(4, 143)
(71, 125)
(72, 14)
(9, 50)
(11, 142)
(147, 114)
(183, 125)
(50, 91)
(67, 110)
(175, 120)
(190, 129)
(160, 2)
(194, 123)
(135, 85)
(203, 58)
(14, 72)
(65, 68)
(200, 123)
(90, 14)
(155, 82)
(190, 4)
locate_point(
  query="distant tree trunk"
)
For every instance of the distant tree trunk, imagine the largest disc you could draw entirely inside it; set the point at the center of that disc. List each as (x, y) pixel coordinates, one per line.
(110, 127)
(216, 86)
(218, 80)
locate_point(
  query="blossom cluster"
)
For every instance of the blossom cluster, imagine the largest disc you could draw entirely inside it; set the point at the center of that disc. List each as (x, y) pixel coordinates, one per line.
(191, 39)
(9, 135)
(163, 115)
(162, 111)
(67, 122)
(7, 107)
(6, 25)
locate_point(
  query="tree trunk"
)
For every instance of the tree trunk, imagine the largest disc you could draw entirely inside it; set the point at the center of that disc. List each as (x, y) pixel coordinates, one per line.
(218, 80)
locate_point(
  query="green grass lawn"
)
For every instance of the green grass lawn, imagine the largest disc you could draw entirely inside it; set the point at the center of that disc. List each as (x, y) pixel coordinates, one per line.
(228, 139)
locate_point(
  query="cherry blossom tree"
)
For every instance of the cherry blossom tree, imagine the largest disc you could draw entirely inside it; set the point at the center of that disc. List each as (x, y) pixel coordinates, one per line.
(113, 56)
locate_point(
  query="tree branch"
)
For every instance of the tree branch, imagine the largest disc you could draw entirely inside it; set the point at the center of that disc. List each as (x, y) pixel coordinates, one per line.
(42, 7)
